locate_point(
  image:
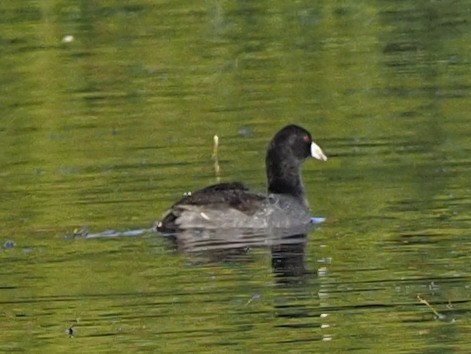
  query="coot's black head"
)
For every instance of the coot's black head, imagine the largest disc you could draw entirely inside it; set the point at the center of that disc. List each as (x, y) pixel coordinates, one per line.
(286, 151)
(295, 142)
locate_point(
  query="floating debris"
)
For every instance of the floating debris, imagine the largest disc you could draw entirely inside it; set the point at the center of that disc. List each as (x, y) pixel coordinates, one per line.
(245, 132)
(440, 316)
(9, 244)
(71, 331)
(68, 38)
(254, 297)
(215, 157)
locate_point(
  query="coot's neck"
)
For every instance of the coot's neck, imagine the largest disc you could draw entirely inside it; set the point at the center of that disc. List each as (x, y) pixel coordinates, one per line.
(283, 176)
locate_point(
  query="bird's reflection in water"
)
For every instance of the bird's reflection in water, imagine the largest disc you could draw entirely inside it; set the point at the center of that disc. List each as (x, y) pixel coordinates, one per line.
(234, 245)
(287, 258)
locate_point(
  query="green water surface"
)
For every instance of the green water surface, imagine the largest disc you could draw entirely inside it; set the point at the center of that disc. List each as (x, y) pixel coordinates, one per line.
(107, 115)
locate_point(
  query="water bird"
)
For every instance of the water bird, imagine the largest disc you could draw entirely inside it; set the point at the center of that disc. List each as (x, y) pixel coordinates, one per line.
(231, 205)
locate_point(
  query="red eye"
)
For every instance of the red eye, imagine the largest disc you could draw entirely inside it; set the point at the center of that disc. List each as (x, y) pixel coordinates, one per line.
(306, 139)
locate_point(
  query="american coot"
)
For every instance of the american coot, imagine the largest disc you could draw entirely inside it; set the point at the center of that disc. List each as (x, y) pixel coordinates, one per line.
(232, 205)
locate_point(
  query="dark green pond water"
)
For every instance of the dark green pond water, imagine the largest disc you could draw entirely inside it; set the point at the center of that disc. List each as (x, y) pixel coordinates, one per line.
(107, 115)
